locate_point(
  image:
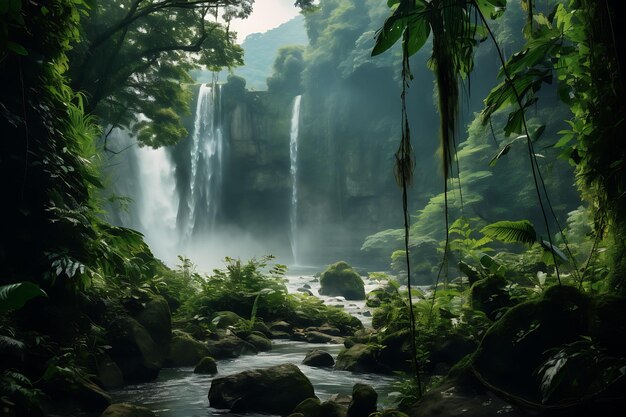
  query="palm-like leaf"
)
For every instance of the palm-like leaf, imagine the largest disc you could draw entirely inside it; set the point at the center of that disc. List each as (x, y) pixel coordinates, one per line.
(521, 231)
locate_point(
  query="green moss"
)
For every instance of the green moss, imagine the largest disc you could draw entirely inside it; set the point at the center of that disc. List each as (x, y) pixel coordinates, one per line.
(340, 279)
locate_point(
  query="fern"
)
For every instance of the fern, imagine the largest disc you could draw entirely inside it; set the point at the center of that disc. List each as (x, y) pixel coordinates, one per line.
(521, 231)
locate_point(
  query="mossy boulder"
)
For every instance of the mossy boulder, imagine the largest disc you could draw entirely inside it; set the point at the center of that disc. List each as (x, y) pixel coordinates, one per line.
(516, 346)
(133, 349)
(364, 401)
(127, 410)
(156, 318)
(275, 390)
(186, 351)
(206, 366)
(462, 397)
(225, 319)
(108, 373)
(230, 346)
(359, 358)
(313, 407)
(259, 341)
(319, 358)
(340, 279)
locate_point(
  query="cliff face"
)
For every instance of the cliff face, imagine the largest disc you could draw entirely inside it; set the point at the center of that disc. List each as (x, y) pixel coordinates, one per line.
(257, 181)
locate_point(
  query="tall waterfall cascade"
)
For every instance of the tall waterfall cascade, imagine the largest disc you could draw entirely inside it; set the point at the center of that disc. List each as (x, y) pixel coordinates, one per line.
(206, 161)
(293, 156)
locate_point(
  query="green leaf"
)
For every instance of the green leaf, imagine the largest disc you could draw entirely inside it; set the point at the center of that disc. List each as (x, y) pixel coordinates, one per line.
(14, 296)
(521, 231)
(419, 30)
(17, 48)
(492, 8)
(500, 154)
(493, 266)
(389, 34)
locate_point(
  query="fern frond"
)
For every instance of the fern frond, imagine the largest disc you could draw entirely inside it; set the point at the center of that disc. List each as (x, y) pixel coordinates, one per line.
(10, 343)
(521, 231)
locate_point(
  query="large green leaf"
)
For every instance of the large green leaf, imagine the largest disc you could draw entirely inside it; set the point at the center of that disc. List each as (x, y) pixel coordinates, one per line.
(14, 296)
(389, 34)
(521, 231)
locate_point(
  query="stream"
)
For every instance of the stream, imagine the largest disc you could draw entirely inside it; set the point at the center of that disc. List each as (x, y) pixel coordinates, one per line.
(178, 392)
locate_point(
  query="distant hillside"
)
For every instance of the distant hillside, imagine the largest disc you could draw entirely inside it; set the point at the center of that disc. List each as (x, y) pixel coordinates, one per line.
(260, 52)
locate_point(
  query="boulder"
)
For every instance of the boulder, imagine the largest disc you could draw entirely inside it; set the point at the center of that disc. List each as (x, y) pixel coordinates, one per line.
(259, 326)
(259, 341)
(65, 389)
(280, 335)
(224, 319)
(298, 335)
(329, 329)
(462, 397)
(317, 337)
(341, 279)
(230, 346)
(312, 407)
(186, 351)
(127, 410)
(133, 349)
(108, 373)
(360, 336)
(281, 326)
(275, 390)
(516, 346)
(341, 399)
(156, 318)
(319, 359)
(206, 366)
(358, 358)
(364, 401)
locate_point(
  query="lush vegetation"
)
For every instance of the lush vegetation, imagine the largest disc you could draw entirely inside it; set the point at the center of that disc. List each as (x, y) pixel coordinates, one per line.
(520, 278)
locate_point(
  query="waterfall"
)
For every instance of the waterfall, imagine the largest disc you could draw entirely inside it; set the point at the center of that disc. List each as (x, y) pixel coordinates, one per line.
(144, 178)
(293, 156)
(158, 201)
(206, 157)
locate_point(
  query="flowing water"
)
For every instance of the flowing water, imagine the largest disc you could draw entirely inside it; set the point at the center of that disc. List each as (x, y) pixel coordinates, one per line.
(293, 157)
(178, 392)
(206, 157)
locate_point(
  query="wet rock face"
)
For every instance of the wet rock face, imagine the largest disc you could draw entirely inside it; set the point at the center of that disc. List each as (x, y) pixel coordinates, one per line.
(341, 279)
(275, 390)
(206, 366)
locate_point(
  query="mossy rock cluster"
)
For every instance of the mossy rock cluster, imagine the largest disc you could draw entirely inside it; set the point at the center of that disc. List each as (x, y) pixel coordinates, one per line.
(339, 279)
(530, 334)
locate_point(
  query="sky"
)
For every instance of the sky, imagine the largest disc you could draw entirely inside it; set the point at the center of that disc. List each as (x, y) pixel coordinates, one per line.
(267, 14)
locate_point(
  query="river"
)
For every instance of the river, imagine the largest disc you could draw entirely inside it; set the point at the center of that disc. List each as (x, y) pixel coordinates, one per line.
(178, 392)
